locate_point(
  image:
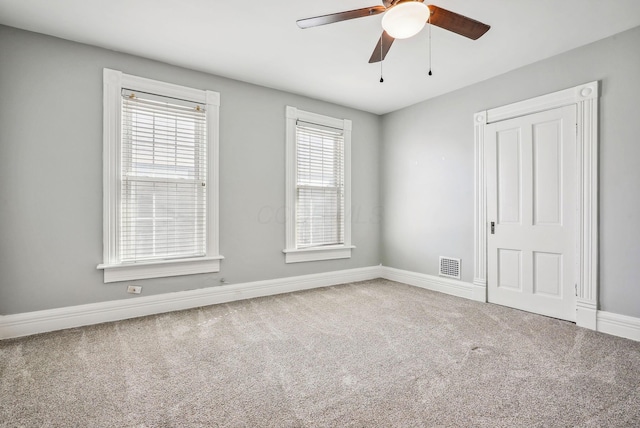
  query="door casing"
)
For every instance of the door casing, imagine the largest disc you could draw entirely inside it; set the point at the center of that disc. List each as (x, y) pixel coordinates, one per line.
(585, 97)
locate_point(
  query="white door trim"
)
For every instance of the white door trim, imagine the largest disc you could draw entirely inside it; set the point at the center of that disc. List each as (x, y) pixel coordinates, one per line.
(586, 99)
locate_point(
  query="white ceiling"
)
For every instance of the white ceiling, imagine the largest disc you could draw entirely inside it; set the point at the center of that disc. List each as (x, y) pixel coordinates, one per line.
(259, 42)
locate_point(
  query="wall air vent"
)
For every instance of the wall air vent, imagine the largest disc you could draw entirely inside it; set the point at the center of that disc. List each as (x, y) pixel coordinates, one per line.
(449, 267)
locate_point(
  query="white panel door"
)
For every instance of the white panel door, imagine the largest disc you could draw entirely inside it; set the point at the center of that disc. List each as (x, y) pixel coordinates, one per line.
(531, 210)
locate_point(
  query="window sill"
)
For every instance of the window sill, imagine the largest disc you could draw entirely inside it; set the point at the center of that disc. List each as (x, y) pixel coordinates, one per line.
(160, 269)
(318, 253)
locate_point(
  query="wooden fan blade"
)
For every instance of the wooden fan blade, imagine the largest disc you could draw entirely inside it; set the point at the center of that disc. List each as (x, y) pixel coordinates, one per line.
(457, 23)
(379, 54)
(340, 16)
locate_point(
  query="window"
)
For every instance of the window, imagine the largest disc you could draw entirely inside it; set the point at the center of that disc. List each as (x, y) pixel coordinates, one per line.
(160, 179)
(318, 187)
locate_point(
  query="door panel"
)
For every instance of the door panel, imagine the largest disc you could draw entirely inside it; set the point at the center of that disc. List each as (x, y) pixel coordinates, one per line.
(509, 176)
(547, 274)
(547, 173)
(509, 269)
(531, 198)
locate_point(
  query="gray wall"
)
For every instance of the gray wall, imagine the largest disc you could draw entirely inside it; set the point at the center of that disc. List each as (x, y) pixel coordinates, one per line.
(51, 172)
(427, 176)
(51, 176)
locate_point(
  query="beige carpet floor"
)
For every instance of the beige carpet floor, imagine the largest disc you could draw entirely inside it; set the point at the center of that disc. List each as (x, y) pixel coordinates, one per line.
(368, 354)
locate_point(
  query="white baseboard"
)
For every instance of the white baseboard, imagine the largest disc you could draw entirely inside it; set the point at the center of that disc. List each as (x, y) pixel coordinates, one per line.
(435, 283)
(588, 316)
(618, 325)
(28, 323)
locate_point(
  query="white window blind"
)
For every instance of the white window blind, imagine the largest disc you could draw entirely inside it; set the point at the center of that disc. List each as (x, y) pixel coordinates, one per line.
(319, 185)
(164, 178)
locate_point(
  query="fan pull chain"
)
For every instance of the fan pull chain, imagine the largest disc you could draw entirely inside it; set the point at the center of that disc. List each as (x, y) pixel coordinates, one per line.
(429, 23)
(381, 79)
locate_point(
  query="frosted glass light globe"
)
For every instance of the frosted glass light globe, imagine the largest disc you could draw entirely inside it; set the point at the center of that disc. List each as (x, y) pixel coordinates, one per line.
(405, 19)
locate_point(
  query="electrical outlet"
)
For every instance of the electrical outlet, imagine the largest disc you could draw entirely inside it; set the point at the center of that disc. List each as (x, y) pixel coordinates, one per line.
(134, 289)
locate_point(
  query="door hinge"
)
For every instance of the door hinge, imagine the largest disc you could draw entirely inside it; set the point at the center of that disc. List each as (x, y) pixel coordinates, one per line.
(576, 288)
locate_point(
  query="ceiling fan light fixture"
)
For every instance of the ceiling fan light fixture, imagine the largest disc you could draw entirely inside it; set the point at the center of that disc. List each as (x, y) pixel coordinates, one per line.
(405, 19)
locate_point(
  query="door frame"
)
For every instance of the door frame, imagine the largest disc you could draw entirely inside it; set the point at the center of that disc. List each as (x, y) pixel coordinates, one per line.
(585, 97)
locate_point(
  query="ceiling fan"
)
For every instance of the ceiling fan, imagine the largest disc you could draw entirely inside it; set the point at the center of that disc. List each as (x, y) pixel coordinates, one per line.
(403, 19)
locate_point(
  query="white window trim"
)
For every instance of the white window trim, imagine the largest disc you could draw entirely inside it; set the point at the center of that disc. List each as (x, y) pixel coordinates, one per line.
(113, 82)
(293, 254)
